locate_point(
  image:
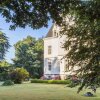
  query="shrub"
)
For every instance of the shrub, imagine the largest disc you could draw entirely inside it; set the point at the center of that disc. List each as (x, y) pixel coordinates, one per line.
(50, 81)
(58, 81)
(18, 75)
(8, 83)
(39, 81)
(4, 76)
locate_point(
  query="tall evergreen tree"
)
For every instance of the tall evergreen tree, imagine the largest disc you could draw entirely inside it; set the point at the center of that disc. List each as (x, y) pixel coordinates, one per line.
(4, 45)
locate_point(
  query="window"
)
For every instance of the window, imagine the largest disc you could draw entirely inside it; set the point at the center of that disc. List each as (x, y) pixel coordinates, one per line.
(49, 49)
(55, 34)
(49, 65)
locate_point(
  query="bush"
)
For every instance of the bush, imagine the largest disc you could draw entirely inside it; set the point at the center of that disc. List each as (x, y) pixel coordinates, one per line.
(39, 81)
(50, 81)
(8, 83)
(4, 76)
(58, 81)
(18, 75)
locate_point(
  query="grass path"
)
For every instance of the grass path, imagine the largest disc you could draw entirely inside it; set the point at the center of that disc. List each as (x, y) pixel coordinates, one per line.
(32, 91)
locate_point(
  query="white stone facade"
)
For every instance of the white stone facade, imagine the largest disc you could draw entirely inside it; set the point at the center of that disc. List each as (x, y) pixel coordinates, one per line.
(54, 64)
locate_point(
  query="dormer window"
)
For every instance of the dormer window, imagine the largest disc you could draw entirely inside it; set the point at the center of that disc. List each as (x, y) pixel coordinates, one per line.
(55, 33)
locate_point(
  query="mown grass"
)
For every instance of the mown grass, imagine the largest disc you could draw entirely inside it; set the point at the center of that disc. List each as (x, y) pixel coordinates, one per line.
(37, 91)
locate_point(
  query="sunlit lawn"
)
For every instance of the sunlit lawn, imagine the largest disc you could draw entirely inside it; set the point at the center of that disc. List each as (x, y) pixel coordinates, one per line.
(32, 91)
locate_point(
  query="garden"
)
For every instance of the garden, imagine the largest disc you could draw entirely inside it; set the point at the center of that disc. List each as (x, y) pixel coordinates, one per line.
(21, 70)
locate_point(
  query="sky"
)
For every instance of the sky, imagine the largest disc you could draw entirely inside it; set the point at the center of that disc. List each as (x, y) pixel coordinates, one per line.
(19, 34)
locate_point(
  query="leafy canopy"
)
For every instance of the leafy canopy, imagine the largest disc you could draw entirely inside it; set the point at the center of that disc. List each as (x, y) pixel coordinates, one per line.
(5, 68)
(34, 13)
(4, 64)
(29, 54)
(83, 39)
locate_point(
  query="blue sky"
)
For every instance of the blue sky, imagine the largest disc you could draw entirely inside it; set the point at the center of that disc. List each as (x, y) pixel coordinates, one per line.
(19, 34)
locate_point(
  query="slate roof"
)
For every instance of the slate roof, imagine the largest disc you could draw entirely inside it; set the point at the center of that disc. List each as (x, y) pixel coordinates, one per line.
(50, 33)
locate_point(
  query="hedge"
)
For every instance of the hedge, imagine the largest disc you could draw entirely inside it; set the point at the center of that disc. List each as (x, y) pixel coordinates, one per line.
(51, 81)
(39, 81)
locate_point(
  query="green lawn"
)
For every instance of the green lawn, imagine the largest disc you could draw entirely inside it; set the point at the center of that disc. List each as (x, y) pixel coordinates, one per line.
(38, 91)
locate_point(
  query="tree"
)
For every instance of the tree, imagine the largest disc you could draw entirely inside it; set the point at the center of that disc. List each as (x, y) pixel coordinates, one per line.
(39, 48)
(5, 68)
(4, 45)
(32, 13)
(4, 64)
(29, 54)
(83, 39)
